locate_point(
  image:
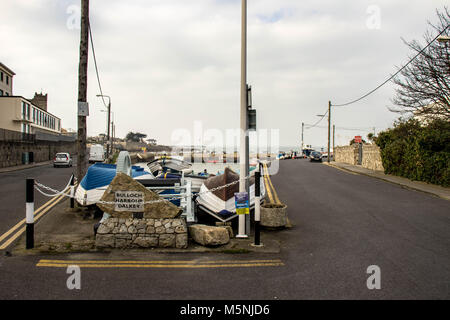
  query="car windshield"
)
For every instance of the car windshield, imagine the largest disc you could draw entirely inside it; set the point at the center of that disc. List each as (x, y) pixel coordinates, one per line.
(315, 153)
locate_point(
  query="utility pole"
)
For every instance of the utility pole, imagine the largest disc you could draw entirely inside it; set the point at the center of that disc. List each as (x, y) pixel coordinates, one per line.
(244, 117)
(82, 89)
(303, 129)
(334, 131)
(329, 129)
(108, 131)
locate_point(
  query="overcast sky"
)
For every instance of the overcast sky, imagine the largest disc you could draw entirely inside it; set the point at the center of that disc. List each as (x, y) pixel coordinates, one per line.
(169, 63)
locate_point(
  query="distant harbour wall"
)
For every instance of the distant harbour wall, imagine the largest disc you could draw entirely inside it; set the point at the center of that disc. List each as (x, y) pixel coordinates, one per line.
(371, 157)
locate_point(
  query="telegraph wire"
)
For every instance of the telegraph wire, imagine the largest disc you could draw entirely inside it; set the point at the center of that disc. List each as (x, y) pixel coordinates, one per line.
(96, 67)
(314, 125)
(391, 77)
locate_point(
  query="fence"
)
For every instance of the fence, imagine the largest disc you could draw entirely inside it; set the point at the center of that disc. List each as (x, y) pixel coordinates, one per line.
(15, 136)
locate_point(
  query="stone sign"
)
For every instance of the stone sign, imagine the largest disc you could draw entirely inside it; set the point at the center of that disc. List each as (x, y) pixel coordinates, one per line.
(129, 201)
(123, 183)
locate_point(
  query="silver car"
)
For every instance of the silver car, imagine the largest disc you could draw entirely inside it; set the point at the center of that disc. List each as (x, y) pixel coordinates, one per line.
(62, 159)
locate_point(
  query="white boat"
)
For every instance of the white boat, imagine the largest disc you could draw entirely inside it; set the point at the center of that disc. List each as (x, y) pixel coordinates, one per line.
(221, 203)
(97, 179)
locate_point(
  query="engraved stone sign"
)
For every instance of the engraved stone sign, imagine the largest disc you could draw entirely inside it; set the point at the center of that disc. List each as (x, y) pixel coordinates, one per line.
(129, 201)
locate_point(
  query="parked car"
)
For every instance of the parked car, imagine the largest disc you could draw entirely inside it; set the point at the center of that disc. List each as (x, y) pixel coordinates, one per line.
(62, 159)
(315, 156)
(96, 153)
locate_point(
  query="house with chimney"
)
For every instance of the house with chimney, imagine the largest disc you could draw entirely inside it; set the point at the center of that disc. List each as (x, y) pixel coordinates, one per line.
(21, 114)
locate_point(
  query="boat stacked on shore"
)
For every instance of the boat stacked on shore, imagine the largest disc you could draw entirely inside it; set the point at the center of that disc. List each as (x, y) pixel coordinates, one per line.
(218, 203)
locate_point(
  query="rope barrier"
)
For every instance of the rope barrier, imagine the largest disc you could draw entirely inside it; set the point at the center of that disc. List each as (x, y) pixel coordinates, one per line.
(56, 193)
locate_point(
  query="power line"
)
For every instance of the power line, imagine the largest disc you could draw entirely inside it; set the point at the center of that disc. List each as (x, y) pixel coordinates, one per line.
(390, 78)
(323, 116)
(96, 68)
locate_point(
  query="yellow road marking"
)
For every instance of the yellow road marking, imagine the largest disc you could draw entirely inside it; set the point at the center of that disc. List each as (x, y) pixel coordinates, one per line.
(96, 262)
(164, 265)
(275, 195)
(159, 264)
(6, 234)
(38, 214)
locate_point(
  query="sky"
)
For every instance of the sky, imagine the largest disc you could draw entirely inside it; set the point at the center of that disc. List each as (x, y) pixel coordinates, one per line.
(172, 67)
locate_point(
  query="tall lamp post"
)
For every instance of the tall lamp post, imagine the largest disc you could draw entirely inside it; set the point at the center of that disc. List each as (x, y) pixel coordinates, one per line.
(108, 142)
(244, 117)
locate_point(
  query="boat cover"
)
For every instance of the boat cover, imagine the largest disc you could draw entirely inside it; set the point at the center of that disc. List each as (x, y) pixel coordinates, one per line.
(227, 177)
(101, 174)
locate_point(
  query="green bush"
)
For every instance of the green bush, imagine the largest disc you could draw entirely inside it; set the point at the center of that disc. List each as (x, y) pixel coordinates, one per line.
(417, 152)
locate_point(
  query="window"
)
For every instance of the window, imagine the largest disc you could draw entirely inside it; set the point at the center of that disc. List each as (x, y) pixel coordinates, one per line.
(7, 79)
(24, 110)
(1, 76)
(1, 92)
(28, 111)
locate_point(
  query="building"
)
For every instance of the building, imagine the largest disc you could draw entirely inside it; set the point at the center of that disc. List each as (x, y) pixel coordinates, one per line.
(21, 114)
(6, 80)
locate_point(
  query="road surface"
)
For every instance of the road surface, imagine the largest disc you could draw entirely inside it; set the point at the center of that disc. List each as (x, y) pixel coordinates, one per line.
(342, 224)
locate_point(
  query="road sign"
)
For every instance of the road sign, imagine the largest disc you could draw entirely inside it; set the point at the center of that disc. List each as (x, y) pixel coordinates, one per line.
(358, 139)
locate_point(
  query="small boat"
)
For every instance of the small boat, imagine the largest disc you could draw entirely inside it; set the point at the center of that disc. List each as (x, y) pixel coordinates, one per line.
(221, 203)
(97, 179)
(168, 164)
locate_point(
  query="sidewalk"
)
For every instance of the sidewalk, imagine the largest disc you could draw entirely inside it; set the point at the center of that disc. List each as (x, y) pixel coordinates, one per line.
(64, 230)
(438, 191)
(24, 166)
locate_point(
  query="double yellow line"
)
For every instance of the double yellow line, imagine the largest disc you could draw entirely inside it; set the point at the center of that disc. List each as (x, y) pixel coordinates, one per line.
(21, 225)
(272, 194)
(159, 264)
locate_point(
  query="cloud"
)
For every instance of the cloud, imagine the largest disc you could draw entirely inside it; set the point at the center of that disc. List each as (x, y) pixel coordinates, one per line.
(167, 63)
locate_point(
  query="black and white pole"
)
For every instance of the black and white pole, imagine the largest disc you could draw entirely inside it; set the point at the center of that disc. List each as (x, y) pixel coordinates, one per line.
(30, 213)
(257, 204)
(72, 191)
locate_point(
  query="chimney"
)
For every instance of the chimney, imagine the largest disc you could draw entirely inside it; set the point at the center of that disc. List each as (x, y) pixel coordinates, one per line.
(40, 100)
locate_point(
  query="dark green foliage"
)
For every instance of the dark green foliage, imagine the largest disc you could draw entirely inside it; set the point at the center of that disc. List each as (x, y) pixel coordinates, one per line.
(417, 152)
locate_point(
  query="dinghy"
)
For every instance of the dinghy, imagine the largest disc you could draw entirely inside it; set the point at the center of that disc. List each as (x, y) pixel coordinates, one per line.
(98, 178)
(221, 203)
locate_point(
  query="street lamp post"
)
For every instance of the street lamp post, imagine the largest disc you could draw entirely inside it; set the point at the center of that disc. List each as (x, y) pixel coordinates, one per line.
(244, 117)
(109, 123)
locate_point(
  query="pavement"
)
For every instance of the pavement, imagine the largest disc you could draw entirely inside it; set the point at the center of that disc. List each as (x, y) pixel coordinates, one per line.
(343, 223)
(25, 166)
(432, 189)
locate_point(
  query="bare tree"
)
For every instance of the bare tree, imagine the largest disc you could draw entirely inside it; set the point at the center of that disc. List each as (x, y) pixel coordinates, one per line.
(424, 85)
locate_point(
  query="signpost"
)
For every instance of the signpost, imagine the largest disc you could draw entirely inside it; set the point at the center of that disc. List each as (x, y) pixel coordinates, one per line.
(242, 203)
(358, 139)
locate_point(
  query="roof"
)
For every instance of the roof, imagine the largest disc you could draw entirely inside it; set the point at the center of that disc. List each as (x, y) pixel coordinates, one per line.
(7, 69)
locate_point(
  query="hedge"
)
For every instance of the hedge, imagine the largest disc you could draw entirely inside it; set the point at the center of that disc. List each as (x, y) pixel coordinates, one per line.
(417, 152)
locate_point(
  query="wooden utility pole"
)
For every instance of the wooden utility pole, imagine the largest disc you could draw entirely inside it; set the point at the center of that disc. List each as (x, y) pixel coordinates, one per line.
(329, 129)
(334, 131)
(82, 90)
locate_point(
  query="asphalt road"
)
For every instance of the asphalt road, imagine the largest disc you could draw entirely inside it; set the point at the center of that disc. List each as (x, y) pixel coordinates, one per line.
(12, 190)
(343, 223)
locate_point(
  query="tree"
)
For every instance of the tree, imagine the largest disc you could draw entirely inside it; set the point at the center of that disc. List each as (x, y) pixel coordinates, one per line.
(423, 87)
(135, 137)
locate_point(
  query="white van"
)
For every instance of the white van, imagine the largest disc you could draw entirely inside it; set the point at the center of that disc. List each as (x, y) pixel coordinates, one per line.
(96, 153)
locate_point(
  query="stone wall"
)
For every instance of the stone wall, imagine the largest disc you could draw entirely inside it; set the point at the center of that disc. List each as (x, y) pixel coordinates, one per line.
(372, 158)
(11, 152)
(142, 233)
(346, 154)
